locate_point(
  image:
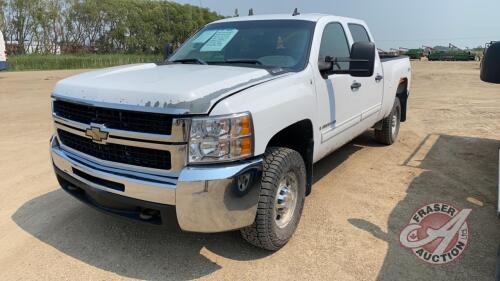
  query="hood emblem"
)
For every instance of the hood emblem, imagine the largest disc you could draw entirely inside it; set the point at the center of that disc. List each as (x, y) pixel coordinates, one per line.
(96, 134)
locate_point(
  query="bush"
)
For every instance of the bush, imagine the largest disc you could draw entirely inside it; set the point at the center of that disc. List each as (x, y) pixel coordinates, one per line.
(104, 26)
(49, 62)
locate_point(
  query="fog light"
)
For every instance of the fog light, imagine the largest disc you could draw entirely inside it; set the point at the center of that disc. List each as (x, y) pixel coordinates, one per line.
(244, 182)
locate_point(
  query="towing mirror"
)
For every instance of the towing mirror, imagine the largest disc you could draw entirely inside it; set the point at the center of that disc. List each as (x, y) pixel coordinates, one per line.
(490, 67)
(361, 62)
(362, 59)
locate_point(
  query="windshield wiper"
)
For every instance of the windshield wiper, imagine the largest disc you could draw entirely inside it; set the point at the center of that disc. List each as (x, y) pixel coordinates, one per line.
(193, 60)
(244, 61)
(238, 61)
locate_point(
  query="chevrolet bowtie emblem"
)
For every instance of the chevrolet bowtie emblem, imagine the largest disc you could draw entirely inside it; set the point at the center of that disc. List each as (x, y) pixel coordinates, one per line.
(96, 134)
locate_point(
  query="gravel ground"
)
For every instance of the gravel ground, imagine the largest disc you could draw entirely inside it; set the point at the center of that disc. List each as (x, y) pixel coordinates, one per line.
(363, 196)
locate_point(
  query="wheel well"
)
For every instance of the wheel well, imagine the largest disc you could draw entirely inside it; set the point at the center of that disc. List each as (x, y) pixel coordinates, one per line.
(299, 137)
(402, 94)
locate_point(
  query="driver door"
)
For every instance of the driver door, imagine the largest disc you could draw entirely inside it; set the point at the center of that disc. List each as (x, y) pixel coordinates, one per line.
(338, 106)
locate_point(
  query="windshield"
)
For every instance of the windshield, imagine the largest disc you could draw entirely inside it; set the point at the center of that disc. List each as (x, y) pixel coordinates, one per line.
(264, 43)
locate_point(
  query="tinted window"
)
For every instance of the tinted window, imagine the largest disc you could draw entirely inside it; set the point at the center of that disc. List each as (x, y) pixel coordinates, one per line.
(334, 43)
(264, 43)
(359, 33)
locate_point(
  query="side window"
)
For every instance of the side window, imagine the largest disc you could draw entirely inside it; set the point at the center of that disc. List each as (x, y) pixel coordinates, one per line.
(359, 33)
(334, 43)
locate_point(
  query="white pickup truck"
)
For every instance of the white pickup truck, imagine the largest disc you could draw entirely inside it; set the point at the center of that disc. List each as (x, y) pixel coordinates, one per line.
(223, 135)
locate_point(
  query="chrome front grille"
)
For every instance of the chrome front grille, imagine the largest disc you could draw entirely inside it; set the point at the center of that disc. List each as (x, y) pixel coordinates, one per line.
(131, 155)
(128, 144)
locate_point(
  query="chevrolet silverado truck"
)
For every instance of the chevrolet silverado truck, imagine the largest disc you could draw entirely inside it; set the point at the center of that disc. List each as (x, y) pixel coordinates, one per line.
(223, 134)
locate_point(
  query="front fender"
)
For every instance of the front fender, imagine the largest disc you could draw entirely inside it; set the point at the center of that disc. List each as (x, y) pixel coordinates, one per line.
(274, 105)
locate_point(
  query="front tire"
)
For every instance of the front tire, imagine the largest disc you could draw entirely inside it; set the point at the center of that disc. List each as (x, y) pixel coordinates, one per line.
(390, 125)
(282, 194)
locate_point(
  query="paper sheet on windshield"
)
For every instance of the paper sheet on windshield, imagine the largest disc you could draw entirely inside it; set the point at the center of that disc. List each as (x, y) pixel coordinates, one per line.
(219, 40)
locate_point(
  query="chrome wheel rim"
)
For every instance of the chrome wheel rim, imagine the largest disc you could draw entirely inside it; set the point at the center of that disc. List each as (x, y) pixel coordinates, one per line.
(286, 200)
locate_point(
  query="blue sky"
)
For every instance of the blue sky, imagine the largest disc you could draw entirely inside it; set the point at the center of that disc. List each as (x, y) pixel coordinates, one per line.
(465, 23)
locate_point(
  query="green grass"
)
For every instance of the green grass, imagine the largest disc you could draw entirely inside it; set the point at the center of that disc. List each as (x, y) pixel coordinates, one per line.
(49, 62)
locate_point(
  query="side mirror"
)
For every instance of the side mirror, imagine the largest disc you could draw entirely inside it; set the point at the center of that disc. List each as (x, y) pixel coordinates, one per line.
(361, 62)
(490, 67)
(362, 59)
(168, 49)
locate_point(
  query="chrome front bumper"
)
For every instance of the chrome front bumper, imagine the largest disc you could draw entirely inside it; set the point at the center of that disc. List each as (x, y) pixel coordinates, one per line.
(206, 199)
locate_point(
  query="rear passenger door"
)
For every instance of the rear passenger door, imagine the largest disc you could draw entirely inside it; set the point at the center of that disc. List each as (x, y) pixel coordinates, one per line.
(370, 89)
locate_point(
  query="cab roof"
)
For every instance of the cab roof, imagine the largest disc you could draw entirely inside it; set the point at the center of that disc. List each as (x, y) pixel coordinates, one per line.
(307, 17)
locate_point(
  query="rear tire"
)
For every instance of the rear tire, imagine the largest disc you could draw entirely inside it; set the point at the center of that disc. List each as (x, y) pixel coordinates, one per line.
(282, 194)
(390, 125)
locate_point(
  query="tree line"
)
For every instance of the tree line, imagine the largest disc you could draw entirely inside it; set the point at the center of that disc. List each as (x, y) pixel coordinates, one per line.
(98, 26)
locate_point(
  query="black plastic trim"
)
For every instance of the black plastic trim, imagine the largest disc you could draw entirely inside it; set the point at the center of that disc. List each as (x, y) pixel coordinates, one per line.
(99, 181)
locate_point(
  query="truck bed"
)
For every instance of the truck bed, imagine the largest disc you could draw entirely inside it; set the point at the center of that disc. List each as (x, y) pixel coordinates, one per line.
(388, 57)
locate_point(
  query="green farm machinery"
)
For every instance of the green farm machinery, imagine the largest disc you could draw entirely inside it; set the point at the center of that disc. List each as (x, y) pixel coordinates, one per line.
(415, 54)
(452, 54)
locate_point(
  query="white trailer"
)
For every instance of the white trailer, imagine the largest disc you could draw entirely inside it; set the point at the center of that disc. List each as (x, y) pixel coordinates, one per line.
(3, 53)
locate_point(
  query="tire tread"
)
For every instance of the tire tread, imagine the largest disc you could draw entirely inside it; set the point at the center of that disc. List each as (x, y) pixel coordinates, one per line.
(384, 136)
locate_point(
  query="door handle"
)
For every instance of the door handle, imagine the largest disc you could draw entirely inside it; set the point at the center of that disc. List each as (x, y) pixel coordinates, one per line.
(379, 78)
(355, 86)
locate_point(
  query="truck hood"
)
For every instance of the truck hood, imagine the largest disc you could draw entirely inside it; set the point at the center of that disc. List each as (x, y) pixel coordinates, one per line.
(174, 88)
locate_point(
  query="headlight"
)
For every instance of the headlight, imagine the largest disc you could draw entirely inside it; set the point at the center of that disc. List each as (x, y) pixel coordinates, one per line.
(221, 138)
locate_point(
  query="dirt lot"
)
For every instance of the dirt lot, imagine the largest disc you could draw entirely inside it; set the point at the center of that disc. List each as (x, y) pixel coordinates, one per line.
(363, 196)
